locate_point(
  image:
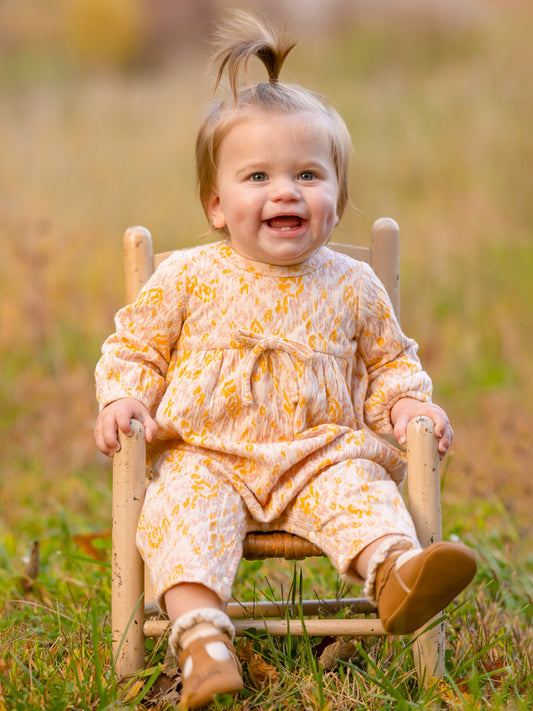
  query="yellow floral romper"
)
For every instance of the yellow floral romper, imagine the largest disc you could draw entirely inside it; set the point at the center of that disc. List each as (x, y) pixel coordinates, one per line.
(272, 387)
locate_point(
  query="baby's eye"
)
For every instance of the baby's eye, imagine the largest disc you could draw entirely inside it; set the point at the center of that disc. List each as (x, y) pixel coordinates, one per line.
(258, 177)
(307, 175)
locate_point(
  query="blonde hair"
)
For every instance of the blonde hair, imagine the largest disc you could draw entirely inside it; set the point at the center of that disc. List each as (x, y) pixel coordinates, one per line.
(238, 40)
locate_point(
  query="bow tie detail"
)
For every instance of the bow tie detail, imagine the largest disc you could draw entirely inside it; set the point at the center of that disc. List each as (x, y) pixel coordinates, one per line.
(259, 345)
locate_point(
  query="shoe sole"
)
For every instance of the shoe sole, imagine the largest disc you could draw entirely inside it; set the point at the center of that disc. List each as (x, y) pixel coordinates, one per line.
(199, 702)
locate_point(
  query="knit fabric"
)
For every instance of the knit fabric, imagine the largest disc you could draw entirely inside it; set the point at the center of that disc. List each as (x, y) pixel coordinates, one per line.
(272, 387)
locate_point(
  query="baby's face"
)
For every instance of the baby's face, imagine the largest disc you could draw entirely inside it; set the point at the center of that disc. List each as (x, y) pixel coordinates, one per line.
(276, 187)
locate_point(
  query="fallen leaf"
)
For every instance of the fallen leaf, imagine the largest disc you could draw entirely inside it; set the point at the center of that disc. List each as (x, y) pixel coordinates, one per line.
(495, 668)
(133, 690)
(244, 648)
(86, 541)
(165, 692)
(451, 698)
(320, 646)
(259, 671)
(339, 650)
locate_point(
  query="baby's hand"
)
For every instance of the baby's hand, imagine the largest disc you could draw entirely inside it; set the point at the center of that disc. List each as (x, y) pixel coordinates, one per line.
(117, 415)
(407, 409)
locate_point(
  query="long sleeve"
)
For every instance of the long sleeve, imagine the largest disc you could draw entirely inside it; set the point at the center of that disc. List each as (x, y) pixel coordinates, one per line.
(135, 359)
(391, 361)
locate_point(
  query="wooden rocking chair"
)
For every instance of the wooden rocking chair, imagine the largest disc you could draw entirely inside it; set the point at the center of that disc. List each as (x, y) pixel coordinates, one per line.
(131, 596)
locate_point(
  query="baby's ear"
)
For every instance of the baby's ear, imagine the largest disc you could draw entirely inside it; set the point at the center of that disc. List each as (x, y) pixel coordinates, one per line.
(215, 212)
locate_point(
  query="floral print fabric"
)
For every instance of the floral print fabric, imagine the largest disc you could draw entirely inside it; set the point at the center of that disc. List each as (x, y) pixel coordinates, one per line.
(273, 384)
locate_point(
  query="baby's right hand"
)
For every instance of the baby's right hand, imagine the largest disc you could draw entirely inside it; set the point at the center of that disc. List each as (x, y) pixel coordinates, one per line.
(117, 416)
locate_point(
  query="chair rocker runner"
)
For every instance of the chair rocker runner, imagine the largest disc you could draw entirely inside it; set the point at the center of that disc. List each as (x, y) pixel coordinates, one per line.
(131, 595)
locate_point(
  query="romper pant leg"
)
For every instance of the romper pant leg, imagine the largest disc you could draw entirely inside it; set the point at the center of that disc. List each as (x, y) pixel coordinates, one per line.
(344, 508)
(192, 524)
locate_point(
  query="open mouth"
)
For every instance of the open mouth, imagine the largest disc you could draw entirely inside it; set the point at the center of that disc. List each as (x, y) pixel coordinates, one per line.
(285, 223)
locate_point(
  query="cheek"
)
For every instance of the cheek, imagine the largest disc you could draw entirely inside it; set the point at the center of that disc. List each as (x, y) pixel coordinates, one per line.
(329, 210)
(241, 207)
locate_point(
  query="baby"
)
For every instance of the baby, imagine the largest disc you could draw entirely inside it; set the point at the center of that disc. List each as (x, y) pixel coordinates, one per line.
(266, 370)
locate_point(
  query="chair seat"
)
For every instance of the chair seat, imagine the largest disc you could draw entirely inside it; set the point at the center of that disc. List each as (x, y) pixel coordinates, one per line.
(278, 544)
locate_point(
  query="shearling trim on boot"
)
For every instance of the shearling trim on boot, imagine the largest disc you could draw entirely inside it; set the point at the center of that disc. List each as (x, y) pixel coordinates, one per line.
(195, 617)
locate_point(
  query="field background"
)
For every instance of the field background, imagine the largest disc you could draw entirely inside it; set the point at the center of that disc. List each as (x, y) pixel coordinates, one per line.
(99, 103)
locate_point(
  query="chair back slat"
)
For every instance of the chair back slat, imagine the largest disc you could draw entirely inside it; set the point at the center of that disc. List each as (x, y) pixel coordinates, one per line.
(362, 254)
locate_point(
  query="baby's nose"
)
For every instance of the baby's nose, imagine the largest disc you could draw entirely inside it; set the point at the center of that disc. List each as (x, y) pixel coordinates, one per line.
(285, 189)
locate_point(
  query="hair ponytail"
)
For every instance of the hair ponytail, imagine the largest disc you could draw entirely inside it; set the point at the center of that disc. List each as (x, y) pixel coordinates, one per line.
(238, 40)
(242, 37)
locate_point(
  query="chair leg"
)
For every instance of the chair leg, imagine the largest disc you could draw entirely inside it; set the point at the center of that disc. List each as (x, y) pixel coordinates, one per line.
(425, 508)
(428, 652)
(127, 574)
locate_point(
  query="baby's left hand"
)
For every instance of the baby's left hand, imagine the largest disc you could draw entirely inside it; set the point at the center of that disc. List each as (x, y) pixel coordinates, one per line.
(407, 409)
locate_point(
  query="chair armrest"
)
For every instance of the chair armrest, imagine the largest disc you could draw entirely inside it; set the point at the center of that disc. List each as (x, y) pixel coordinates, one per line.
(423, 472)
(127, 572)
(423, 480)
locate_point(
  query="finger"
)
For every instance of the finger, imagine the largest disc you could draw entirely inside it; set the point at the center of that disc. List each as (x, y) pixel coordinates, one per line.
(441, 426)
(150, 428)
(445, 441)
(106, 438)
(449, 435)
(100, 442)
(123, 420)
(400, 430)
(141, 414)
(110, 435)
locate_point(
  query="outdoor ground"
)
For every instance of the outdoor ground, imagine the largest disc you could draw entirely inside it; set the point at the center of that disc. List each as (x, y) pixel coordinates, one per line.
(439, 108)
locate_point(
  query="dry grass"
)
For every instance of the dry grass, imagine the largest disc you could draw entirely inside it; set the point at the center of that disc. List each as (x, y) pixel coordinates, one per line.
(439, 118)
(439, 114)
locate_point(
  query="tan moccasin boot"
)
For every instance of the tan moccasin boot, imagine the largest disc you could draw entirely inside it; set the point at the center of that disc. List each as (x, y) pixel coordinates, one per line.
(208, 676)
(409, 597)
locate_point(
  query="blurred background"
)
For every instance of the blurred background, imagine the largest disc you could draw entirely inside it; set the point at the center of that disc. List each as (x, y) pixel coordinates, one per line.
(99, 104)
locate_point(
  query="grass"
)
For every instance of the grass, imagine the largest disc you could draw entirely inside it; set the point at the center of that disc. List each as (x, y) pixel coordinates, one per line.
(439, 113)
(56, 647)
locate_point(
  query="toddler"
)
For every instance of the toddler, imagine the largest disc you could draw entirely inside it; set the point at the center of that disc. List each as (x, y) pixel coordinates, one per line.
(266, 370)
